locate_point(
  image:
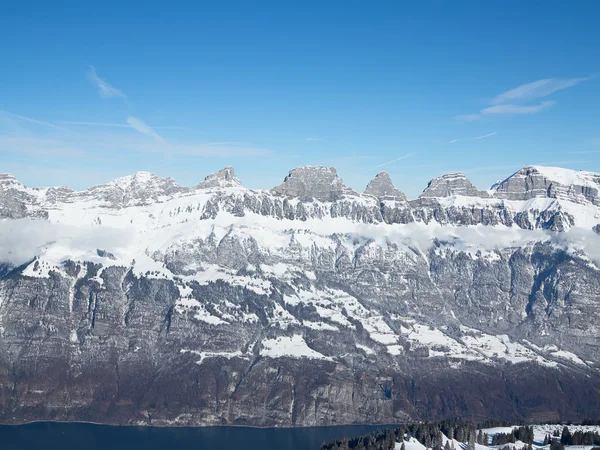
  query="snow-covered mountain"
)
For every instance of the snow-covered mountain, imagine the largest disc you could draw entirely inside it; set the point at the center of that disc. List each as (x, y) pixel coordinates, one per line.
(142, 301)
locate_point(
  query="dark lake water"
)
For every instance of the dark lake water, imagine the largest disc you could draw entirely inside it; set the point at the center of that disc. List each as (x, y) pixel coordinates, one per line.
(82, 436)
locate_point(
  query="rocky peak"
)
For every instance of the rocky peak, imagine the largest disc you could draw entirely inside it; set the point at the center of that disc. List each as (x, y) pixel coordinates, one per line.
(451, 184)
(223, 178)
(382, 187)
(9, 181)
(313, 182)
(138, 188)
(140, 179)
(550, 182)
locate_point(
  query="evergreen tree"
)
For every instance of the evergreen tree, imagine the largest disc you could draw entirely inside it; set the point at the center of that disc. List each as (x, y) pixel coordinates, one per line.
(471, 443)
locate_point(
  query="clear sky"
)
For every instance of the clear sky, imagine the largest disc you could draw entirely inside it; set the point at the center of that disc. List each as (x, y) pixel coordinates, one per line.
(90, 91)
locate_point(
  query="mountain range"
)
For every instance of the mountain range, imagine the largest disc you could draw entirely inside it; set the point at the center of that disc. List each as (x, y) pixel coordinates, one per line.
(144, 302)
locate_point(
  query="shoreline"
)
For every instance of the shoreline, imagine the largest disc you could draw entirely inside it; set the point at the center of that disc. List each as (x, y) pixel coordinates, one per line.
(149, 426)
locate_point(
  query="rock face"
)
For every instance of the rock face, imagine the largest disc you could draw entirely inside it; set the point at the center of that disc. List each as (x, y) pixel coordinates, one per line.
(221, 179)
(452, 184)
(382, 187)
(141, 188)
(308, 183)
(165, 305)
(550, 182)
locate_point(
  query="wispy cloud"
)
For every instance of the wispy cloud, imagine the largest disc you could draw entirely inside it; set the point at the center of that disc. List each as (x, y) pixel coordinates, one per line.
(394, 160)
(314, 139)
(116, 125)
(108, 145)
(517, 109)
(102, 138)
(485, 136)
(515, 101)
(104, 88)
(95, 124)
(141, 127)
(507, 109)
(536, 89)
(30, 120)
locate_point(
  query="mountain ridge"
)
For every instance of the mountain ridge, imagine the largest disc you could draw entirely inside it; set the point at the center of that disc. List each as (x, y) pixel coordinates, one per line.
(586, 178)
(277, 308)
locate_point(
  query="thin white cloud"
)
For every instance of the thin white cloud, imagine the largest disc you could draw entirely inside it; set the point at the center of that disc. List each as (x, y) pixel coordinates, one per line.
(517, 109)
(141, 127)
(536, 89)
(394, 160)
(507, 109)
(104, 88)
(106, 144)
(485, 136)
(95, 124)
(30, 120)
(115, 125)
(514, 101)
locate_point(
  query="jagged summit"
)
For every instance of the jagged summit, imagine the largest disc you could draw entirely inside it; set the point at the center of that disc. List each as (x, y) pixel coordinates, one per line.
(550, 182)
(313, 182)
(221, 179)
(9, 181)
(382, 187)
(452, 184)
(135, 189)
(7, 177)
(140, 179)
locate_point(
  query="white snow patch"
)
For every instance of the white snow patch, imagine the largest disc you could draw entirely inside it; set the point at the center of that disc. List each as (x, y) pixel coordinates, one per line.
(292, 347)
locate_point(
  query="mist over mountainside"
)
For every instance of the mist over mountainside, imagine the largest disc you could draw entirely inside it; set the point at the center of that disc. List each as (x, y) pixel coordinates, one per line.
(144, 302)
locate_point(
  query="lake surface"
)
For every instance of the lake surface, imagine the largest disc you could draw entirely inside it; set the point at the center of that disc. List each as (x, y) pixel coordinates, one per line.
(78, 436)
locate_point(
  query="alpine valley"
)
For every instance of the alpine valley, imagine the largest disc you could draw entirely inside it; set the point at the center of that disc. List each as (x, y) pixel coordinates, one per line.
(143, 302)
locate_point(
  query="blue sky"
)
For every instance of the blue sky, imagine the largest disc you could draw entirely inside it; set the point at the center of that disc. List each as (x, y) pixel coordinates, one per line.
(90, 91)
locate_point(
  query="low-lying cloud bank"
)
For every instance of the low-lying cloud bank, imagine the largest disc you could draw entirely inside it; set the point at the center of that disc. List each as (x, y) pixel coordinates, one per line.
(22, 240)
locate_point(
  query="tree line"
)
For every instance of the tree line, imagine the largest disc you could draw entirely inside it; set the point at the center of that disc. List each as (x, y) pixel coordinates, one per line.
(431, 435)
(524, 434)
